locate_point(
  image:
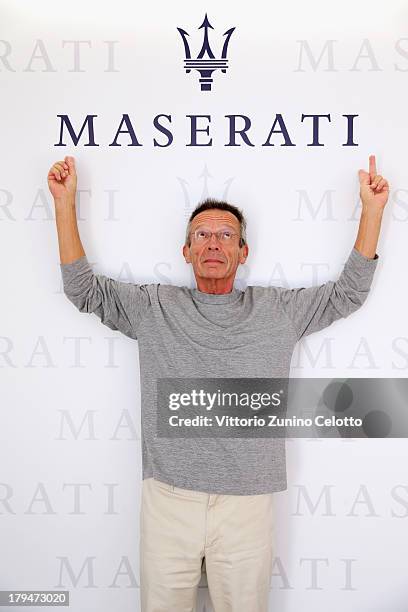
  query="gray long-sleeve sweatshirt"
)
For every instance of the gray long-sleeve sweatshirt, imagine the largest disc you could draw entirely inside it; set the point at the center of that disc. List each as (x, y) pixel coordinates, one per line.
(183, 332)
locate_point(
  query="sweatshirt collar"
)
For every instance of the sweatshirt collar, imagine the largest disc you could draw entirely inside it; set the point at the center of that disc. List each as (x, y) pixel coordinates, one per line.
(216, 298)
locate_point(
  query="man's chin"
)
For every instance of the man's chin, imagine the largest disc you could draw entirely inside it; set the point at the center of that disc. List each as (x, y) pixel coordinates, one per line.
(213, 270)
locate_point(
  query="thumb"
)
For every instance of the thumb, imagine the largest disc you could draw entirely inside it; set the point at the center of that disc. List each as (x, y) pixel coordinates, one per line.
(363, 177)
(71, 162)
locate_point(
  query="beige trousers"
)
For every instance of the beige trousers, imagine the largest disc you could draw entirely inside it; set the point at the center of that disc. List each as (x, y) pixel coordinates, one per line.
(181, 527)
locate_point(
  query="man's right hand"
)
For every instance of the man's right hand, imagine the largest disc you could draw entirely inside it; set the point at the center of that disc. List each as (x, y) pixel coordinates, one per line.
(62, 179)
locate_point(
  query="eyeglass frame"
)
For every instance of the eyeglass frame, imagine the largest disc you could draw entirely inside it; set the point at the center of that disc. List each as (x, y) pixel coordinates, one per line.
(217, 234)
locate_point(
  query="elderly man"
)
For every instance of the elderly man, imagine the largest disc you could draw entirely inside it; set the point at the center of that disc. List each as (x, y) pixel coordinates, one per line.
(211, 498)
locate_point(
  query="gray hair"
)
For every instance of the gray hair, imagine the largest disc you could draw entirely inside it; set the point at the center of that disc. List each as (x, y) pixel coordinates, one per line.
(211, 203)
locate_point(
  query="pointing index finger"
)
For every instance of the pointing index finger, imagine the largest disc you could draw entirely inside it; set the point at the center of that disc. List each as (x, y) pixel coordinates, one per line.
(372, 166)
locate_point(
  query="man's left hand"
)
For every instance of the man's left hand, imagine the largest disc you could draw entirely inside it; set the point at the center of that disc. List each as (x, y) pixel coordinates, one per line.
(374, 188)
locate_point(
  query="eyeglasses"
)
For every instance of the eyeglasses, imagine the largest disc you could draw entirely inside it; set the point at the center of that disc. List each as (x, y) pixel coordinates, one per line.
(202, 235)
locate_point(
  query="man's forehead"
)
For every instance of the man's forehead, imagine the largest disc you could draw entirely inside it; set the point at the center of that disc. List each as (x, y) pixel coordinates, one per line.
(214, 214)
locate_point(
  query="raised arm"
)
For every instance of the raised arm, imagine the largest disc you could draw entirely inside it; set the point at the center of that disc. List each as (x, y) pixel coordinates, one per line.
(374, 191)
(119, 305)
(314, 308)
(62, 182)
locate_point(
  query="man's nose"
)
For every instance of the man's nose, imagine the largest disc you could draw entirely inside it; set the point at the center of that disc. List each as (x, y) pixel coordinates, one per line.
(213, 242)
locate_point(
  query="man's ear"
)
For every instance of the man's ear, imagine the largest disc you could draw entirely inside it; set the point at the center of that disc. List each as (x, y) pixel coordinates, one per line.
(244, 254)
(186, 253)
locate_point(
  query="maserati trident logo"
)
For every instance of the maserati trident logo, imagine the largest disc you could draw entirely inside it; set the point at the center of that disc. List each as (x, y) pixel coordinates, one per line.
(206, 62)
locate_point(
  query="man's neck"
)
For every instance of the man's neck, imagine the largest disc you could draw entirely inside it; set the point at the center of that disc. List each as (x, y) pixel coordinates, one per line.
(215, 285)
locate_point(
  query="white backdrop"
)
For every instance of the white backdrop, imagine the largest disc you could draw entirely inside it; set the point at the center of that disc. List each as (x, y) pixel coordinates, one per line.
(70, 411)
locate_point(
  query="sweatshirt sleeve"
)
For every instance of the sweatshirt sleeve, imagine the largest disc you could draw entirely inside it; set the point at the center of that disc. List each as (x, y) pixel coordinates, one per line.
(119, 305)
(314, 308)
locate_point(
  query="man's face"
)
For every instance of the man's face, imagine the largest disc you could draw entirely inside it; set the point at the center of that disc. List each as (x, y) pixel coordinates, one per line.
(213, 258)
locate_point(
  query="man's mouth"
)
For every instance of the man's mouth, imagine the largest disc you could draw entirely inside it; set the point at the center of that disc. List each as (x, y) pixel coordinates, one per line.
(213, 261)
